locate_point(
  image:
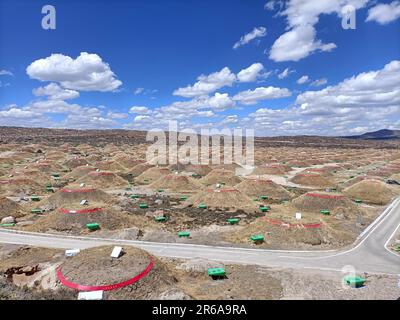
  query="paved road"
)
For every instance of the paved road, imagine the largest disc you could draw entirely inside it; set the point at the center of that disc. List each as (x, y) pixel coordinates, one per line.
(367, 254)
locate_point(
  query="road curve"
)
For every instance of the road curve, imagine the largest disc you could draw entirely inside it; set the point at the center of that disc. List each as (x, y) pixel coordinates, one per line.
(367, 254)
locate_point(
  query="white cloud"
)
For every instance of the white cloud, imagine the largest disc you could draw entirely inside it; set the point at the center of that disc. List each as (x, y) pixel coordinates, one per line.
(251, 73)
(220, 102)
(87, 121)
(269, 5)
(140, 118)
(358, 130)
(138, 91)
(117, 115)
(250, 97)
(17, 113)
(5, 73)
(254, 34)
(303, 79)
(285, 73)
(302, 16)
(365, 102)
(373, 89)
(207, 84)
(54, 92)
(139, 110)
(297, 44)
(230, 119)
(384, 13)
(319, 82)
(53, 106)
(87, 72)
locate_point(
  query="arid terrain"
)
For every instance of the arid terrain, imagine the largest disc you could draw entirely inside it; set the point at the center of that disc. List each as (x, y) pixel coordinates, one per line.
(305, 193)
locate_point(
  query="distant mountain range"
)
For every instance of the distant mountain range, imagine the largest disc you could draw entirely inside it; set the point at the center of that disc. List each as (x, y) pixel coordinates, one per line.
(384, 134)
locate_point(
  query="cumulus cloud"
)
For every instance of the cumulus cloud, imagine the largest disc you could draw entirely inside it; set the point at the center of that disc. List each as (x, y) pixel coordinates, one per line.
(251, 73)
(85, 121)
(17, 113)
(14, 116)
(302, 16)
(373, 89)
(54, 92)
(303, 79)
(88, 72)
(297, 44)
(384, 13)
(250, 97)
(139, 110)
(257, 32)
(220, 102)
(365, 102)
(207, 84)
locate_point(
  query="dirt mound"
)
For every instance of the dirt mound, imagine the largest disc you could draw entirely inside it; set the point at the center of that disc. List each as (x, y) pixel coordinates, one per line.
(73, 219)
(34, 175)
(227, 166)
(79, 172)
(274, 169)
(198, 169)
(177, 183)
(47, 166)
(224, 198)
(102, 179)
(353, 181)
(191, 168)
(258, 187)
(151, 175)
(371, 191)
(282, 237)
(317, 201)
(20, 186)
(325, 171)
(73, 196)
(127, 161)
(95, 267)
(110, 166)
(75, 162)
(94, 158)
(9, 208)
(55, 155)
(395, 177)
(299, 163)
(220, 176)
(312, 180)
(139, 169)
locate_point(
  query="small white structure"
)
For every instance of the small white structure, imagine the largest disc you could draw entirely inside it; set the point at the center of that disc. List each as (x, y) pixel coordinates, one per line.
(91, 295)
(298, 215)
(84, 202)
(82, 185)
(116, 253)
(72, 252)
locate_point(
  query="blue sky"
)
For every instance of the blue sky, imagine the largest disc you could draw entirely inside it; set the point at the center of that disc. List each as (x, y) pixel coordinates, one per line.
(141, 53)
